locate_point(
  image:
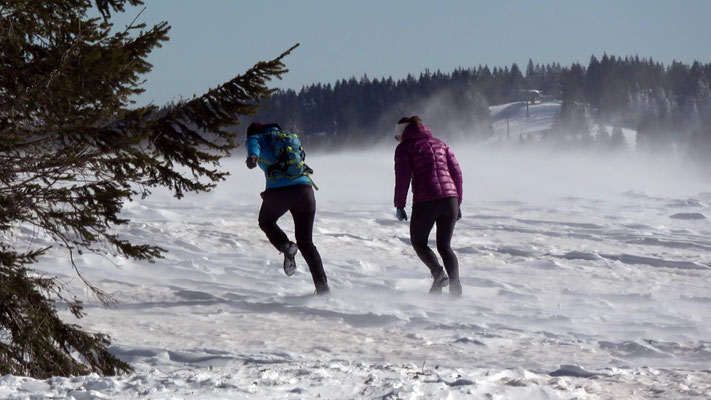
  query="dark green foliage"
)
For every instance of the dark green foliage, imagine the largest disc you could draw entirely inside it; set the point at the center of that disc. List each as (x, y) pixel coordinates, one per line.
(667, 104)
(362, 112)
(73, 149)
(33, 339)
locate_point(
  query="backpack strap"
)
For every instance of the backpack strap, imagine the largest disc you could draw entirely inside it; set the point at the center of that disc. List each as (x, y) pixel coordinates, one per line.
(308, 175)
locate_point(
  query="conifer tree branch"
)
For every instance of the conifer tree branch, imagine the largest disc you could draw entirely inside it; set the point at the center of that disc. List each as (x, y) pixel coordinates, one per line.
(72, 152)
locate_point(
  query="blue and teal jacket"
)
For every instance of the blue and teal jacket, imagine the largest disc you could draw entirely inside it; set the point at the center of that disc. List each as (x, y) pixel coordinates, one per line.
(259, 144)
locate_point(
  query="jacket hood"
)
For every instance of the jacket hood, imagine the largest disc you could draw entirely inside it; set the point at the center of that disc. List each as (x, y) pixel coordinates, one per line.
(418, 131)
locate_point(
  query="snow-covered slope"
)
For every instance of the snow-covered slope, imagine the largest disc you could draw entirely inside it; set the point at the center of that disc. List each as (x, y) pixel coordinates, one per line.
(582, 280)
(511, 123)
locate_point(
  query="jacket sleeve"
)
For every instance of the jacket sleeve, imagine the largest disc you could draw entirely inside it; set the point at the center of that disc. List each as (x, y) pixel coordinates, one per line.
(403, 175)
(252, 145)
(455, 172)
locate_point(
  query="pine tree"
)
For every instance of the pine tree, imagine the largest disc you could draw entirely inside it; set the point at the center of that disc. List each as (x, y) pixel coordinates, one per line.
(530, 74)
(617, 140)
(74, 148)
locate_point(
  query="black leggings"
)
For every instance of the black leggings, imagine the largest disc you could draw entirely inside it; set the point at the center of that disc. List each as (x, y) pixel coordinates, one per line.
(424, 216)
(300, 201)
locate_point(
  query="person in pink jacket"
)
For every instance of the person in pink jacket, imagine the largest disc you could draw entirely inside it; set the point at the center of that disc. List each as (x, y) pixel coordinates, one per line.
(436, 179)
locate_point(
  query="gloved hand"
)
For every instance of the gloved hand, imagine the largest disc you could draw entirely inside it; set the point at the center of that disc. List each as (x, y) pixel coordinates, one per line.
(401, 214)
(252, 161)
(459, 214)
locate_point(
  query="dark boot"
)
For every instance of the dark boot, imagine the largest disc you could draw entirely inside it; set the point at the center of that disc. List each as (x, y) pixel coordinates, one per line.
(289, 250)
(455, 288)
(440, 281)
(323, 289)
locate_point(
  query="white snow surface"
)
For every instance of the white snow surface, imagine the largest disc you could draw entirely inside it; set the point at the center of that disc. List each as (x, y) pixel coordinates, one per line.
(578, 284)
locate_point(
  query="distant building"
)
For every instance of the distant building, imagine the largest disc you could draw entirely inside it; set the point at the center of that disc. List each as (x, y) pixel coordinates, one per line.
(531, 96)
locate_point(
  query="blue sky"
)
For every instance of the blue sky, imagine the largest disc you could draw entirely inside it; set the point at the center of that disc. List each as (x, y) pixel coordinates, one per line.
(211, 41)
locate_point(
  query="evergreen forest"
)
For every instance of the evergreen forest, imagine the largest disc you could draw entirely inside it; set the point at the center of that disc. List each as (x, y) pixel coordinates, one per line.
(669, 106)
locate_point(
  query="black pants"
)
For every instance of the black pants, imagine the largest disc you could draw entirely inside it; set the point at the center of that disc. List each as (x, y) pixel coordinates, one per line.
(443, 212)
(300, 201)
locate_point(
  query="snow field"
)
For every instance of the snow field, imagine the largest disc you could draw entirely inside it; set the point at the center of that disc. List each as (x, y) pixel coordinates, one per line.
(579, 283)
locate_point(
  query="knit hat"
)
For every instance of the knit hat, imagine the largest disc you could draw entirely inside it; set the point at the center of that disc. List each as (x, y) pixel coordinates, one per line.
(258, 127)
(254, 128)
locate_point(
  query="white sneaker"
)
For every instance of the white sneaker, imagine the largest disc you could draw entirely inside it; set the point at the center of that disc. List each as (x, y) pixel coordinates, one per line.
(289, 251)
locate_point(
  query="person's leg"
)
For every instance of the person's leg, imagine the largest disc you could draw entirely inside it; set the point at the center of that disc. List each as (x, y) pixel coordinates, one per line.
(446, 220)
(274, 204)
(421, 222)
(303, 211)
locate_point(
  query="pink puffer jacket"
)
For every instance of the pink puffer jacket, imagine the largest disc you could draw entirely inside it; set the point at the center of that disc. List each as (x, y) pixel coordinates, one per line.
(429, 163)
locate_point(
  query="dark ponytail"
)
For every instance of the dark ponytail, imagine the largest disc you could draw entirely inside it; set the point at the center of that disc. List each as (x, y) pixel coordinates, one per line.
(414, 120)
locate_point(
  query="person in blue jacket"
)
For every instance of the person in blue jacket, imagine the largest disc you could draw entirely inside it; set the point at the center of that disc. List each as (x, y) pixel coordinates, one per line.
(282, 194)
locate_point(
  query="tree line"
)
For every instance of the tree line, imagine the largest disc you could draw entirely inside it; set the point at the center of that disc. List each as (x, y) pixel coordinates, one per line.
(667, 105)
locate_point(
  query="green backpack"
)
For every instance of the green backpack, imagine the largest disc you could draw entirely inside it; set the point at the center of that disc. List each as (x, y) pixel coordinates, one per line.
(290, 157)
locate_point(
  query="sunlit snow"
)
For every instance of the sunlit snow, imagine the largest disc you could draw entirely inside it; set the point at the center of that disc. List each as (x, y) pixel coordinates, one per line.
(585, 276)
